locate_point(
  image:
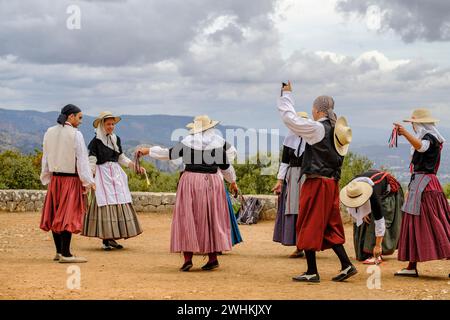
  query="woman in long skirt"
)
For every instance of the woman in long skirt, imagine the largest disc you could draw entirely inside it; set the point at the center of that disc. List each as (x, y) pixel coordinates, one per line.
(111, 215)
(201, 221)
(425, 231)
(288, 188)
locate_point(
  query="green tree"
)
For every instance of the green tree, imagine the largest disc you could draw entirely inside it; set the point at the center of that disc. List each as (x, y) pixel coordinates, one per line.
(353, 165)
(19, 171)
(250, 178)
(447, 190)
(159, 181)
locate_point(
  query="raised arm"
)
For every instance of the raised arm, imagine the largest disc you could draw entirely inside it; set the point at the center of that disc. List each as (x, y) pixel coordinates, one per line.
(310, 130)
(416, 143)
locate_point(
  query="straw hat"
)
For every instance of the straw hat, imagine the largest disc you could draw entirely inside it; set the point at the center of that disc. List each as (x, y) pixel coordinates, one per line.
(355, 194)
(422, 116)
(201, 123)
(342, 136)
(303, 114)
(105, 115)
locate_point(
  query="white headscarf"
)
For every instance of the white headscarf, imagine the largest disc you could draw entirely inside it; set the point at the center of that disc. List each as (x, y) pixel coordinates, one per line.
(109, 140)
(422, 129)
(293, 141)
(206, 140)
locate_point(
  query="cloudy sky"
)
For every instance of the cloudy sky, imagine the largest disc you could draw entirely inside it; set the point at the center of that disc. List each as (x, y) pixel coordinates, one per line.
(227, 58)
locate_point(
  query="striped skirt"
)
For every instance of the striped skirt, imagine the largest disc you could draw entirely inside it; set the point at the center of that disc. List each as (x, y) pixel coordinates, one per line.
(115, 221)
(426, 237)
(201, 221)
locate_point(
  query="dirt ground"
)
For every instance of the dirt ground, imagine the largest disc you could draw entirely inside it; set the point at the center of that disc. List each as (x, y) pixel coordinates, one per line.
(255, 269)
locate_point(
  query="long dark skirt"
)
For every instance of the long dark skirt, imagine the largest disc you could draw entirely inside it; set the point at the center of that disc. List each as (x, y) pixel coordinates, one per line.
(285, 222)
(364, 236)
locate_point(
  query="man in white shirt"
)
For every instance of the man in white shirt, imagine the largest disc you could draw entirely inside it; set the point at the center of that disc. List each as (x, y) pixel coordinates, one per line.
(319, 224)
(66, 171)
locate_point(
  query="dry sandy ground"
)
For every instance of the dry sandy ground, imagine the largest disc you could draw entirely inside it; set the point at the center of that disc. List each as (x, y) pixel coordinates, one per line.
(255, 269)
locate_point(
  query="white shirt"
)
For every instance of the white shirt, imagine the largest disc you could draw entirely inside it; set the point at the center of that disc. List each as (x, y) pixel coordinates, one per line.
(83, 169)
(311, 131)
(282, 171)
(160, 153)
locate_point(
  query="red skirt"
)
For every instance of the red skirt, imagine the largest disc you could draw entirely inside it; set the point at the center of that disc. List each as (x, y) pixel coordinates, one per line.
(426, 237)
(64, 205)
(319, 223)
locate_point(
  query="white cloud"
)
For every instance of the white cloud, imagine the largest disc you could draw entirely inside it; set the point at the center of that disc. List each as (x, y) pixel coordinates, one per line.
(383, 62)
(228, 61)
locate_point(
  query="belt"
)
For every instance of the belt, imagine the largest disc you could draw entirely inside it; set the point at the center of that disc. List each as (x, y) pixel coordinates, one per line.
(317, 176)
(64, 174)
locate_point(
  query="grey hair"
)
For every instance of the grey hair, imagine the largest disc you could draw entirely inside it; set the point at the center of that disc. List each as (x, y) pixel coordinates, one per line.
(325, 104)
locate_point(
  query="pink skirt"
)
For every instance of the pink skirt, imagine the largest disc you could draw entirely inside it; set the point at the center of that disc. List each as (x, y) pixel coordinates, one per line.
(201, 223)
(64, 205)
(426, 237)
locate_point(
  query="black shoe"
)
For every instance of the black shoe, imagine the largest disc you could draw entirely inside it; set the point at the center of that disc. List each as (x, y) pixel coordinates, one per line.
(186, 266)
(106, 248)
(106, 245)
(211, 265)
(114, 244)
(345, 274)
(314, 278)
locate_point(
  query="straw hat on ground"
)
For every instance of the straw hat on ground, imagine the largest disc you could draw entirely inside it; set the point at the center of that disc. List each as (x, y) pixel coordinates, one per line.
(421, 115)
(105, 115)
(342, 136)
(201, 123)
(355, 194)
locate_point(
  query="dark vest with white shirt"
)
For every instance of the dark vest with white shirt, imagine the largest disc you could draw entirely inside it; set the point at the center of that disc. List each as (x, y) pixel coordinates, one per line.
(322, 158)
(428, 161)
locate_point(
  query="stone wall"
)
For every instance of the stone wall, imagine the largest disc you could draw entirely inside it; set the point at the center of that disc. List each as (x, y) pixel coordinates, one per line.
(33, 200)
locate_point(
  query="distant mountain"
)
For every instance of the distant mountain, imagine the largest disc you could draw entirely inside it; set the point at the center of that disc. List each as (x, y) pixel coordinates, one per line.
(398, 159)
(366, 136)
(24, 131)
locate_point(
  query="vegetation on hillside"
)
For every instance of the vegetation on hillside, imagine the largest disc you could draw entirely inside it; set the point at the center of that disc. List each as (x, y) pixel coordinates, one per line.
(19, 171)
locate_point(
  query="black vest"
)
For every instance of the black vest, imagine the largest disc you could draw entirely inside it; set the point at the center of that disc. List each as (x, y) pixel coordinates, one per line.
(322, 158)
(103, 153)
(289, 157)
(427, 161)
(202, 161)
